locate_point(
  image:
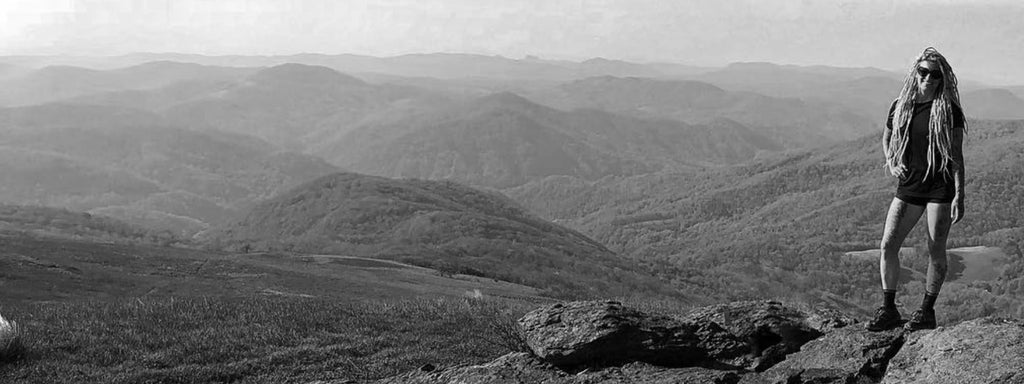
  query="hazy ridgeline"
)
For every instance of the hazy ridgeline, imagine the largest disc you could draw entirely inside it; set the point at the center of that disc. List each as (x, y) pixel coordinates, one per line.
(287, 185)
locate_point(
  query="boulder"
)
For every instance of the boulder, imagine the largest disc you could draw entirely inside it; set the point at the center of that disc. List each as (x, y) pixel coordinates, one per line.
(846, 355)
(605, 333)
(770, 329)
(986, 350)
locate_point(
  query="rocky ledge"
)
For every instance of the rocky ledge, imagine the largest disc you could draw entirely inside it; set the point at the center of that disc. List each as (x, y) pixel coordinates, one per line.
(758, 342)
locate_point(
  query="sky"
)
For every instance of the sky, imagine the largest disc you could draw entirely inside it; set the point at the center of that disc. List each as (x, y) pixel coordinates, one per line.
(983, 39)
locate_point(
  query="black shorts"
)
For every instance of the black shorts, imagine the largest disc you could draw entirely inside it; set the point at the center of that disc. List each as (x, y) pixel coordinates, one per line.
(922, 201)
(917, 190)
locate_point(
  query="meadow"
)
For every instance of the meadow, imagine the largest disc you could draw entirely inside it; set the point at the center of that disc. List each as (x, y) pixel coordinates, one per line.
(92, 312)
(255, 340)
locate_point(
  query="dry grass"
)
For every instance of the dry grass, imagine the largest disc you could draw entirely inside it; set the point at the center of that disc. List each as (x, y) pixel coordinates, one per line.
(12, 346)
(504, 332)
(256, 340)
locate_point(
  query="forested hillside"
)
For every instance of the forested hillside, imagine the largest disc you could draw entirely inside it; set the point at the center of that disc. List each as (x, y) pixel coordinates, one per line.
(442, 225)
(45, 222)
(782, 226)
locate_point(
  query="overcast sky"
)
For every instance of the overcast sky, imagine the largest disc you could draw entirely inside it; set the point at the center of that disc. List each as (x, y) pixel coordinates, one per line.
(984, 40)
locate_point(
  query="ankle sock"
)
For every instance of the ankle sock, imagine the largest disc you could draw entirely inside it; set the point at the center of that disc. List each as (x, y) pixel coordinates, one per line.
(890, 298)
(929, 301)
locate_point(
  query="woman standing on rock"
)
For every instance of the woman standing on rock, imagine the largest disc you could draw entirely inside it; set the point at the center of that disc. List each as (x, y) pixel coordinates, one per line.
(922, 142)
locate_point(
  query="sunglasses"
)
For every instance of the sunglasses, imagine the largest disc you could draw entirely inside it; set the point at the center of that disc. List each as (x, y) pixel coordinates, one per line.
(924, 72)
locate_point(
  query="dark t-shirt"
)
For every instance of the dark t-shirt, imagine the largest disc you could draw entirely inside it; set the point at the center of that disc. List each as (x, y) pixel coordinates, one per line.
(939, 185)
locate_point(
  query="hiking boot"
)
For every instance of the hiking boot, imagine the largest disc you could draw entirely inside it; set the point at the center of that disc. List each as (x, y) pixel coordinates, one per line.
(921, 319)
(885, 319)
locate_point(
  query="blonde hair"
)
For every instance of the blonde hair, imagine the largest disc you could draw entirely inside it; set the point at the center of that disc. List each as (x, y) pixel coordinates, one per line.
(940, 124)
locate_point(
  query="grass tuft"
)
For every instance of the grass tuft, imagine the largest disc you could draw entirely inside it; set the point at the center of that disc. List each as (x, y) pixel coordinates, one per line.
(503, 331)
(12, 345)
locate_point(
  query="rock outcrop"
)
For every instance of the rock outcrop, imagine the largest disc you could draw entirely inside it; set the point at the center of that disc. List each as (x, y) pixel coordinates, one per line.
(848, 355)
(983, 350)
(769, 329)
(757, 342)
(596, 333)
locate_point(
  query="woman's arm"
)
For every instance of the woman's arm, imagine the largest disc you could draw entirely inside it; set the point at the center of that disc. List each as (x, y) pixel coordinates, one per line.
(886, 134)
(958, 174)
(900, 170)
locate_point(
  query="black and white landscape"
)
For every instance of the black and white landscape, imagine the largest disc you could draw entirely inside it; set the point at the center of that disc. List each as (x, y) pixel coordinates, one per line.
(584, 183)
(315, 216)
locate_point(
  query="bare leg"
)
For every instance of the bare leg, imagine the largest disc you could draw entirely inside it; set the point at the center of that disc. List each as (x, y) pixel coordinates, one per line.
(898, 223)
(939, 221)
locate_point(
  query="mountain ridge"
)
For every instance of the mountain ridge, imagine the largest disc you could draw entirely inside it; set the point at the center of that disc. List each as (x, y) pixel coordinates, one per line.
(792, 121)
(504, 139)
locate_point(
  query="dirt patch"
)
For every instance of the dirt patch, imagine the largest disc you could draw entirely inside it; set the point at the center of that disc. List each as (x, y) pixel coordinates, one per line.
(360, 262)
(979, 263)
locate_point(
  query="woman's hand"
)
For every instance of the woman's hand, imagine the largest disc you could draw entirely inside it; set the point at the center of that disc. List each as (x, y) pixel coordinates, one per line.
(957, 211)
(899, 171)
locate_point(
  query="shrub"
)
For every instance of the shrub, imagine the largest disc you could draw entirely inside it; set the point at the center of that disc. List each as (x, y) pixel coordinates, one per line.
(12, 345)
(500, 325)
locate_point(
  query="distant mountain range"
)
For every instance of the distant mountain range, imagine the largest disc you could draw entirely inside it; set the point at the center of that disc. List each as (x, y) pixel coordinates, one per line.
(297, 106)
(285, 104)
(436, 65)
(130, 164)
(505, 140)
(399, 130)
(996, 104)
(53, 83)
(788, 80)
(459, 128)
(792, 122)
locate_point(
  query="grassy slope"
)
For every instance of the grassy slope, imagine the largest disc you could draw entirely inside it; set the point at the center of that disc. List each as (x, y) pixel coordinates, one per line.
(51, 269)
(252, 340)
(129, 313)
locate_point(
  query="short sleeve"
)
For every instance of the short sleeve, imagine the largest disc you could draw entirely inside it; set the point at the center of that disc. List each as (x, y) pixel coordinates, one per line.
(958, 117)
(958, 135)
(888, 119)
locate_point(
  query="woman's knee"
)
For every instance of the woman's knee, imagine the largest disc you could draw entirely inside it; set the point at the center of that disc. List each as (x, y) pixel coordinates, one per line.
(890, 247)
(937, 250)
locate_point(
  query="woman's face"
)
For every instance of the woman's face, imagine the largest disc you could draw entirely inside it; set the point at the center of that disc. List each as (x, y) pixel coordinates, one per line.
(929, 78)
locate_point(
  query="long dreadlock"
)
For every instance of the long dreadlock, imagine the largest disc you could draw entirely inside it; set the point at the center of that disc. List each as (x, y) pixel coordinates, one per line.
(940, 124)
